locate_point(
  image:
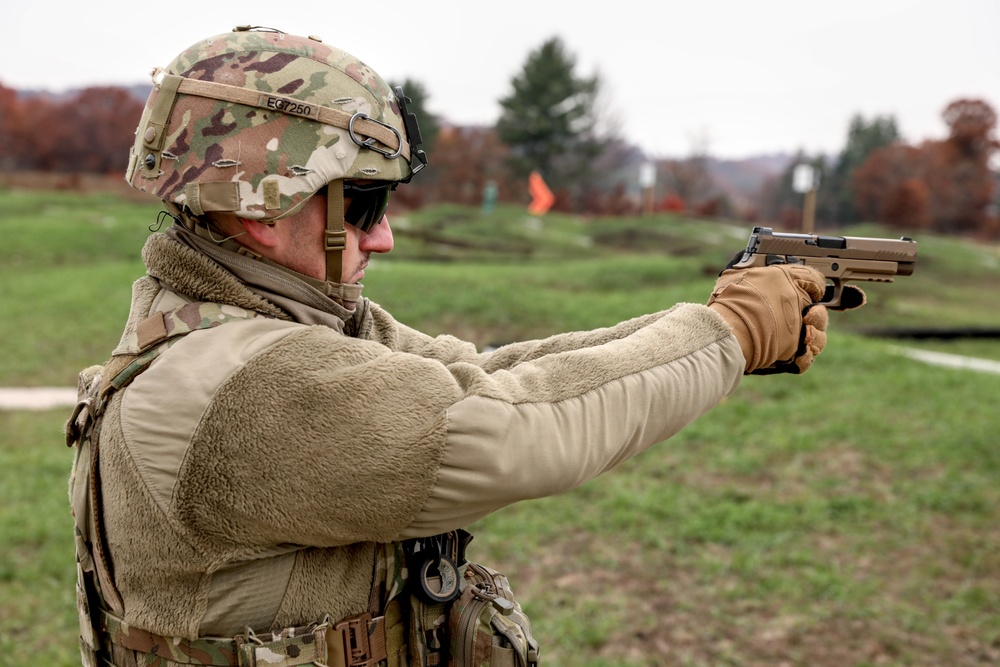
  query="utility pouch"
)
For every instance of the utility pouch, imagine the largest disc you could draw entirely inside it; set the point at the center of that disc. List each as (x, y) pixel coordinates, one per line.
(462, 614)
(433, 583)
(486, 625)
(428, 641)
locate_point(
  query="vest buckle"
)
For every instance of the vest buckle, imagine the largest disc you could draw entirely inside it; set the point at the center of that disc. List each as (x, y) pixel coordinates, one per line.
(357, 641)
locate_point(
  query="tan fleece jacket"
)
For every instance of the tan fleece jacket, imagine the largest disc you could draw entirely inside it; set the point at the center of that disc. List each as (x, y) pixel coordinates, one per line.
(248, 472)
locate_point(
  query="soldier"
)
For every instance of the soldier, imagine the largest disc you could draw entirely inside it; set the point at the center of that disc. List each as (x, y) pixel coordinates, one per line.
(284, 470)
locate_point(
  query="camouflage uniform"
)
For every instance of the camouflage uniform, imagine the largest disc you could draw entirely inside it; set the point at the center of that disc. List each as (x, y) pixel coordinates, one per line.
(260, 474)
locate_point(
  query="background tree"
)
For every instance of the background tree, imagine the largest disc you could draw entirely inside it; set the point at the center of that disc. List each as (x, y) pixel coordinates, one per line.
(971, 124)
(689, 179)
(465, 160)
(97, 136)
(11, 130)
(835, 198)
(422, 189)
(88, 132)
(891, 187)
(430, 124)
(549, 120)
(946, 185)
(964, 163)
(614, 190)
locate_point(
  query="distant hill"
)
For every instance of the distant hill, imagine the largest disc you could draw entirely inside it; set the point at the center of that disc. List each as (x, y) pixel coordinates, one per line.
(741, 180)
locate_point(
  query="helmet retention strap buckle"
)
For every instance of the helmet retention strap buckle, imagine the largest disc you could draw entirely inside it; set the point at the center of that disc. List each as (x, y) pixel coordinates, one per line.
(369, 143)
(336, 236)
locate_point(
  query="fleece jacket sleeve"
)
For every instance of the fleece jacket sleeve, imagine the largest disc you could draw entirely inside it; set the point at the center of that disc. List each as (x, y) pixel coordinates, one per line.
(313, 438)
(547, 425)
(448, 349)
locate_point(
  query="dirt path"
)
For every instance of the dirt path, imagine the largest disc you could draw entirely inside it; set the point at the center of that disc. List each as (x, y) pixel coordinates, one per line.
(37, 398)
(951, 360)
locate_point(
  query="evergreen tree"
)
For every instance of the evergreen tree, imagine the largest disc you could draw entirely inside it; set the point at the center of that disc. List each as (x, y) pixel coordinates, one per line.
(549, 120)
(836, 196)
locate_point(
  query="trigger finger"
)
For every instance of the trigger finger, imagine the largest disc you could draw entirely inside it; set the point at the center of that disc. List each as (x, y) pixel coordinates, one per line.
(816, 316)
(809, 280)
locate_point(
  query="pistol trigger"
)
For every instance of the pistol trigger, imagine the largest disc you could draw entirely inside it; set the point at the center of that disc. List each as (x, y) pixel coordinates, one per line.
(831, 297)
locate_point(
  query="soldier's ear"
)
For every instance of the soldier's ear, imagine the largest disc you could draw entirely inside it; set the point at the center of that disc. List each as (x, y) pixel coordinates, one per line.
(261, 232)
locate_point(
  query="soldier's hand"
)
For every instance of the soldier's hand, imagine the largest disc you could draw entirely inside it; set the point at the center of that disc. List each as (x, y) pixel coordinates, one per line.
(773, 313)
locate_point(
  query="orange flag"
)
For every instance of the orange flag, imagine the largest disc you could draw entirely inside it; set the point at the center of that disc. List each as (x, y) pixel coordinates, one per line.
(541, 197)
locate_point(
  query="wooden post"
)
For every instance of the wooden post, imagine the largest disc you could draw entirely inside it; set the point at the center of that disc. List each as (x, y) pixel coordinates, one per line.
(809, 212)
(647, 183)
(805, 181)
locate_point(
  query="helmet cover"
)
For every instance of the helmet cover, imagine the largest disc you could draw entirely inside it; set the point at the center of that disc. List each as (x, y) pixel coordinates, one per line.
(255, 122)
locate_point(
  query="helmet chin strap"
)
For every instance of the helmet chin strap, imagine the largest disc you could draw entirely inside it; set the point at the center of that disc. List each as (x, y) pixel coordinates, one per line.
(336, 239)
(346, 295)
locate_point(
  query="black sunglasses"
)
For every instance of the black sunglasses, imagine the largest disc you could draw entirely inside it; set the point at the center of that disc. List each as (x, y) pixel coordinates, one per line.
(368, 203)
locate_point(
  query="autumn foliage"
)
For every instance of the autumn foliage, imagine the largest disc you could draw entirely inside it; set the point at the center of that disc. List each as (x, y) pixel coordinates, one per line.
(945, 185)
(467, 160)
(88, 132)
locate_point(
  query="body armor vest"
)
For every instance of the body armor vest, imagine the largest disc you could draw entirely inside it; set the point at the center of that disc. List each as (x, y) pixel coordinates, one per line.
(457, 613)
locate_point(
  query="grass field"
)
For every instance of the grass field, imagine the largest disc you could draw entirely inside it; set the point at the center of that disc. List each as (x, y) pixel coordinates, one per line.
(849, 517)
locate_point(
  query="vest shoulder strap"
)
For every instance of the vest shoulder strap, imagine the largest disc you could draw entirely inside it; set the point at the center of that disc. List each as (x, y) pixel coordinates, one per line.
(96, 591)
(159, 331)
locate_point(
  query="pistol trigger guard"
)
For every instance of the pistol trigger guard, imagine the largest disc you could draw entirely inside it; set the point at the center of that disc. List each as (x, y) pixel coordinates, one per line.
(840, 296)
(831, 297)
(737, 259)
(851, 297)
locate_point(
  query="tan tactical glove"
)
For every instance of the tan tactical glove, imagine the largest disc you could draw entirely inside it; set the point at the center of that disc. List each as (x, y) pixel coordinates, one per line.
(773, 314)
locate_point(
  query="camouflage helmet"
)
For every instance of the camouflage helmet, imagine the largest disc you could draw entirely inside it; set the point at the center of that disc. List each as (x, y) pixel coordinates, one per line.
(256, 121)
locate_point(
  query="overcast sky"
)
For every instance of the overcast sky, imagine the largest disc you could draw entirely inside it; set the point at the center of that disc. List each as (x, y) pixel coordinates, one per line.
(741, 77)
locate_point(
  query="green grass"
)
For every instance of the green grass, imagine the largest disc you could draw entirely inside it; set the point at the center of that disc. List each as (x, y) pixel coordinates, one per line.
(66, 268)
(37, 600)
(846, 517)
(840, 499)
